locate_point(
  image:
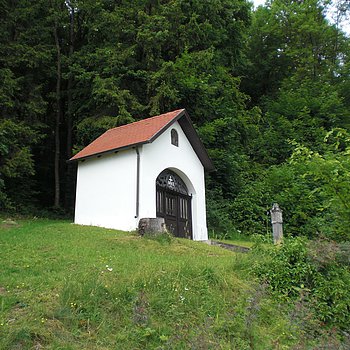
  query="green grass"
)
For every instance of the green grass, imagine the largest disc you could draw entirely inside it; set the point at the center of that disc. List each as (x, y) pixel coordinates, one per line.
(64, 286)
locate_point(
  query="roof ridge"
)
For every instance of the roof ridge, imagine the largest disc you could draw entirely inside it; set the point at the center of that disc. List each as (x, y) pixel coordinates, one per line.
(141, 120)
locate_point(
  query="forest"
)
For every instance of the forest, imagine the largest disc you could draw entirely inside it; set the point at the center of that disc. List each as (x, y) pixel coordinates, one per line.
(267, 90)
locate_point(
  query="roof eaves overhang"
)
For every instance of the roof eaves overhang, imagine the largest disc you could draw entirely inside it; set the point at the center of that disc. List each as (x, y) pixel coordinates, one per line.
(191, 133)
(99, 154)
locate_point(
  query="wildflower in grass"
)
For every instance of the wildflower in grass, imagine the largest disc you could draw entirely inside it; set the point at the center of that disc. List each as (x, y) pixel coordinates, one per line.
(182, 298)
(110, 269)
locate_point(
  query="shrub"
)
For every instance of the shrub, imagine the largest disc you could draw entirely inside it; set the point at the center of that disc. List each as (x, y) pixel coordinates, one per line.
(300, 267)
(285, 185)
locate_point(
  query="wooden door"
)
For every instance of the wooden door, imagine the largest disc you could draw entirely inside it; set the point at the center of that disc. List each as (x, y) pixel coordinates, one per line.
(175, 208)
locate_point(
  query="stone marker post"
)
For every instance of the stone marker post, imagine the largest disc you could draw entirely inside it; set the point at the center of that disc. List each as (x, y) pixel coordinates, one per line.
(277, 224)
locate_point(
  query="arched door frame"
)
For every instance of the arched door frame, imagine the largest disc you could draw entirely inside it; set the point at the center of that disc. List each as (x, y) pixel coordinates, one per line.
(174, 203)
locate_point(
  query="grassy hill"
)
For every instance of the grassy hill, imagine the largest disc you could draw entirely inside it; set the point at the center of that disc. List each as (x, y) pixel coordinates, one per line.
(64, 286)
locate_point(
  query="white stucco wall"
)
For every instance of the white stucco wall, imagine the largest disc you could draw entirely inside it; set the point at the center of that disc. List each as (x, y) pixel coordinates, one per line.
(160, 155)
(106, 186)
(106, 191)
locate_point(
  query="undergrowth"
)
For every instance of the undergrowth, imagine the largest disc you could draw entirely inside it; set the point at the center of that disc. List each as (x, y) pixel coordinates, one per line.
(314, 277)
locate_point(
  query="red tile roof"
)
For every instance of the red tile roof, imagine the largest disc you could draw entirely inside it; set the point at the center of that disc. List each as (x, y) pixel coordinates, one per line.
(128, 135)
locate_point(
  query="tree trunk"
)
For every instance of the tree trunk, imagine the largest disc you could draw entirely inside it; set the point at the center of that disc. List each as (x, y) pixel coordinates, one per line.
(70, 84)
(58, 118)
(69, 186)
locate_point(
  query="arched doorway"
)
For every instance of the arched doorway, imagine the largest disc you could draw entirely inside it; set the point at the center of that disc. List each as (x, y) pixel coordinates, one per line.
(174, 204)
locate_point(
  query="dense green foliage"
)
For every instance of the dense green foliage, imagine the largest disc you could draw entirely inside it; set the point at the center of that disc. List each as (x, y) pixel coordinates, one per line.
(82, 67)
(315, 184)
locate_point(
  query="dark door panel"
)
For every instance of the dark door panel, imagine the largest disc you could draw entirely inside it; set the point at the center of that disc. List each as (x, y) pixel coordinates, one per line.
(175, 208)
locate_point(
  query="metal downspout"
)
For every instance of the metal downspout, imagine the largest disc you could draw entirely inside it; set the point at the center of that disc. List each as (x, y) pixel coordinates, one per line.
(137, 182)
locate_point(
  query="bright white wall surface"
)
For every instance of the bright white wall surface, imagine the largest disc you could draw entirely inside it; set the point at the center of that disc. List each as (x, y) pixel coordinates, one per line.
(106, 186)
(160, 155)
(106, 191)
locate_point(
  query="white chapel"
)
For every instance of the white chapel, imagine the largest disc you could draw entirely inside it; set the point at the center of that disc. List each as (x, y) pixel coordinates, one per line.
(146, 169)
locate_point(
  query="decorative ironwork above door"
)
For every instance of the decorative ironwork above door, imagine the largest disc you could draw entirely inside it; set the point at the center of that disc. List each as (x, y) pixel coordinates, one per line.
(167, 179)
